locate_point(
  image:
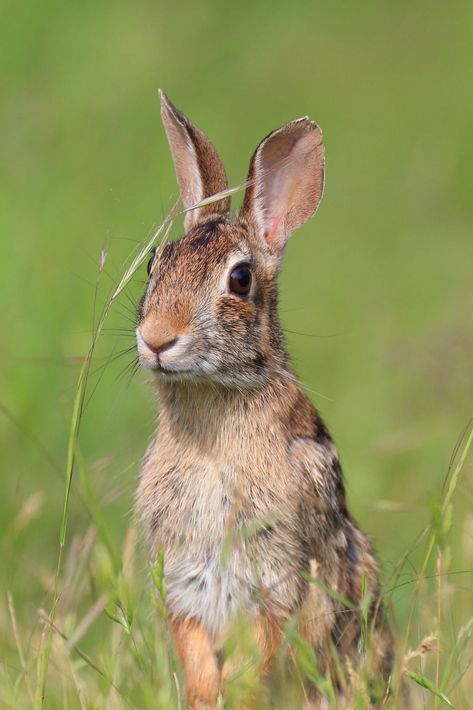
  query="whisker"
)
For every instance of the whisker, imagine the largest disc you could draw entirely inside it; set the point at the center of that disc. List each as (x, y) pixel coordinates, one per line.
(289, 376)
(101, 371)
(310, 335)
(130, 369)
(112, 358)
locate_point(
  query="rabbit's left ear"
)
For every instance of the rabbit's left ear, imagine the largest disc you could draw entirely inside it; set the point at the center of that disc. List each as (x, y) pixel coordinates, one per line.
(199, 170)
(285, 182)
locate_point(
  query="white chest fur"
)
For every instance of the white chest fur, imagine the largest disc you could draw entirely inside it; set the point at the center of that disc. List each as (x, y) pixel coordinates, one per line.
(208, 573)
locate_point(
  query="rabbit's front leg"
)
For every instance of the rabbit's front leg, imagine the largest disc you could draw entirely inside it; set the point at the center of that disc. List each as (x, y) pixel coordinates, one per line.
(199, 662)
(266, 636)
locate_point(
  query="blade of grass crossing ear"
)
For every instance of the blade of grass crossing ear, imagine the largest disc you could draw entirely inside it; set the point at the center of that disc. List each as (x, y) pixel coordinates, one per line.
(218, 196)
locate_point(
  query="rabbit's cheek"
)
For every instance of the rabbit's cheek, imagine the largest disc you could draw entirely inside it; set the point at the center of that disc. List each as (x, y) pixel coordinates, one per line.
(234, 316)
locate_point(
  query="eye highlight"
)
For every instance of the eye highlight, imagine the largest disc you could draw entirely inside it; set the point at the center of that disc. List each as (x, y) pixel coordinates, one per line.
(240, 280)
(150, 262)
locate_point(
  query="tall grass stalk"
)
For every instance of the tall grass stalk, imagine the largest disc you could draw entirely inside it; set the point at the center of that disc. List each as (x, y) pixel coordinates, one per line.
(77, 411)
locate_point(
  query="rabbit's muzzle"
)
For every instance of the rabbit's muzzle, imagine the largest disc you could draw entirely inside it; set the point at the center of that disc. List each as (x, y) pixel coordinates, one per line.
(161, 341)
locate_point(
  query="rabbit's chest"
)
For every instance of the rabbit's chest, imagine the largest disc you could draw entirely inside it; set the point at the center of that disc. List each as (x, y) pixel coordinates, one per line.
(208, 571)
(225, 529)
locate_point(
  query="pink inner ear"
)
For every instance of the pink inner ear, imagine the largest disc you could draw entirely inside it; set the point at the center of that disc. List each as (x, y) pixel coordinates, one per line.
(289, 171)
(278, 193)
(274, 228)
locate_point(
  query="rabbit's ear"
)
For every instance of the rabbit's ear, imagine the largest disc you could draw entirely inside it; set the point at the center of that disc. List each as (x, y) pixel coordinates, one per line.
(285, 182)
(199, 170)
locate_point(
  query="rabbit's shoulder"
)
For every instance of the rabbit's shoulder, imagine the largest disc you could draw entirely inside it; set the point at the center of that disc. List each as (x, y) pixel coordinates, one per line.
(340, 551)
(313, 454)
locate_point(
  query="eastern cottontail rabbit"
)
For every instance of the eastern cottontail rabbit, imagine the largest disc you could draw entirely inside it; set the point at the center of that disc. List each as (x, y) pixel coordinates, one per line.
(239, 445)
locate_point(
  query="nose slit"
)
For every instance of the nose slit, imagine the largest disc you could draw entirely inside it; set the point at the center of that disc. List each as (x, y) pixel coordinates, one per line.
(162, 347)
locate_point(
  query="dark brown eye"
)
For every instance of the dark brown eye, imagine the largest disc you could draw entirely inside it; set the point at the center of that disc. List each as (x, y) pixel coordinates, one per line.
(150, 262)
(240, 280)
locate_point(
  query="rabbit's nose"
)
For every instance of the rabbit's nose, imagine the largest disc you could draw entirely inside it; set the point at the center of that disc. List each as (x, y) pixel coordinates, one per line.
(158, 334)
(159, 347)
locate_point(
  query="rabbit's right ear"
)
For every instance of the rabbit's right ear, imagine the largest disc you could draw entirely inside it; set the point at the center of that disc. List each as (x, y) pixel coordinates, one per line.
(285, 183)
(199, 170)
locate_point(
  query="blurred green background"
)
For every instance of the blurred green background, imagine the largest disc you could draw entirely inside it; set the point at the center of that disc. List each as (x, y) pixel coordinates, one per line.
(376, 291)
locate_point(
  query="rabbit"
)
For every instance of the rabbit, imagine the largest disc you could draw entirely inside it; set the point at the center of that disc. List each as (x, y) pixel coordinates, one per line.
(239, 446)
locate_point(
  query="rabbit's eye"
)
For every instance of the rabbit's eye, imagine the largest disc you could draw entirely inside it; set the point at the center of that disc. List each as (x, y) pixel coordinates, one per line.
(240, 280)
(150, 262)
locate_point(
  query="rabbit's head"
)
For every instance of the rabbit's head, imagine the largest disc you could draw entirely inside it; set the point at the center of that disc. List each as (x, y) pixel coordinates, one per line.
(210, 308)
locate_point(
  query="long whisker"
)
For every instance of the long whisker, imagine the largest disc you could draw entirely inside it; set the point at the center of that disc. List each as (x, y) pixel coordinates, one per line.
(310, 335)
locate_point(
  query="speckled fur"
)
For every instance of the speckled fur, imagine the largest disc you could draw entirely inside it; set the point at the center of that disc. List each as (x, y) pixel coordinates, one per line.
(242, 485)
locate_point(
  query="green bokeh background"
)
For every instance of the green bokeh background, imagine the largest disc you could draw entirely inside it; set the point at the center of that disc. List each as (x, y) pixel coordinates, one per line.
(377, 289)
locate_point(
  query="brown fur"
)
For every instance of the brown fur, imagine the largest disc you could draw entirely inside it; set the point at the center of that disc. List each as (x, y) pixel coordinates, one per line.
(194, 155)
(198, 661)
(242, 486)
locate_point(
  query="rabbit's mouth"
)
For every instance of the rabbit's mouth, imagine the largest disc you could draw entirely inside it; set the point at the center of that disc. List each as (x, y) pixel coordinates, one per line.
(168, 372)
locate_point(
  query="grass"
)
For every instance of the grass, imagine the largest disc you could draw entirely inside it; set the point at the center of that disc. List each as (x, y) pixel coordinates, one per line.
(376, 301)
